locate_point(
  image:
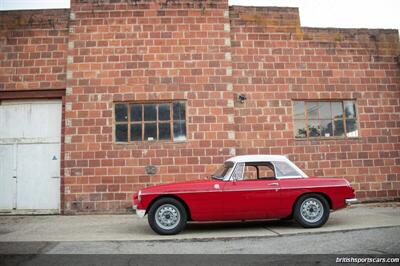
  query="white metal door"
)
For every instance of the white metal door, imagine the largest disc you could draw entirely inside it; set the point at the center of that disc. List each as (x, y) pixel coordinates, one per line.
(38, 189)
(32, 132)
(8, 172)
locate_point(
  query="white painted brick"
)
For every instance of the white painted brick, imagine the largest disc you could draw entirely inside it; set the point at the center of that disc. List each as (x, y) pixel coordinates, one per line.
(70, 59)
(68, 122)
(67, 172)
(227, 41)
(67, 139)
(72, 16)
(231, 119)
(227, 28)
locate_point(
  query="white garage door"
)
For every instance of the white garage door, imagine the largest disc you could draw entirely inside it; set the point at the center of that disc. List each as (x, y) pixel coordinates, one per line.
(30, 135)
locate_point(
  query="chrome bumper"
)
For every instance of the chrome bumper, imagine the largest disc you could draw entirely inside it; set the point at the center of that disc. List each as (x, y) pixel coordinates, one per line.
(139, 212)
(351, 201)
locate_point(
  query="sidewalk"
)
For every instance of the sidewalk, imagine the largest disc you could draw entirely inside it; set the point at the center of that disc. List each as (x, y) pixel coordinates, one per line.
(130, 227)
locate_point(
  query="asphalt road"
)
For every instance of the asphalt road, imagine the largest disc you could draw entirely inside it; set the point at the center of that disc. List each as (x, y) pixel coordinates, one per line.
(367, 241)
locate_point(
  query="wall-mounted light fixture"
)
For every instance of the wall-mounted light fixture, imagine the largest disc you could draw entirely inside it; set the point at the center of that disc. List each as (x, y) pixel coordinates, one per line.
(242, 98)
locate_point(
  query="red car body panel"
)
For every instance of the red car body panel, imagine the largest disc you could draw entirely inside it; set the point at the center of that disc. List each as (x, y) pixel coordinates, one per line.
(217, 200)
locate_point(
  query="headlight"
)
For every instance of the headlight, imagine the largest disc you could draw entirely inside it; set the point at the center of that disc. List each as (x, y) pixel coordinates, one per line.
(139, 195)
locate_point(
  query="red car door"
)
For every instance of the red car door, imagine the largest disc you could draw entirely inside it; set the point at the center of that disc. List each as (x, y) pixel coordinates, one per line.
(251, 199)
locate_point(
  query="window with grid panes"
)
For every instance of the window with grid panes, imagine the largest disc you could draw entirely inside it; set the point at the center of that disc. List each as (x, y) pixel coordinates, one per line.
(150, 121)
(325, 119)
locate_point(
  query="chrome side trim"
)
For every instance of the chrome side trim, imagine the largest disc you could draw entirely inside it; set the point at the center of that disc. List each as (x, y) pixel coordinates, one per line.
(351, 201)
(313, 187)
(140, 213)
(207, 191)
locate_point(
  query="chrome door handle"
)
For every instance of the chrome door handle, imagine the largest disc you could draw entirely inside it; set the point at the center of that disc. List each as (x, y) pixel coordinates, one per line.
(273, 184)
(55, 177)
(216, 186)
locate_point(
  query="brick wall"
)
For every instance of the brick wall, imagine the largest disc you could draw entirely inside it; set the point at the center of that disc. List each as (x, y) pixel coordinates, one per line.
(206, 53)
(33, 49)
(149, 50)
(276, 61)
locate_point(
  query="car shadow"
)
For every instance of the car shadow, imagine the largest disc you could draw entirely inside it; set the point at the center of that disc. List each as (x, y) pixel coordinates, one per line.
(229, 225)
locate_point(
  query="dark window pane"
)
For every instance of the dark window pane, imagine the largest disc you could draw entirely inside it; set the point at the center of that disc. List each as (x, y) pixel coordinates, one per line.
(136, 132)
(350, 109)
(179, 111)
(121, 112)
(164, 131)
(312, 110)
(300, 129)
(164, 112)
(121, 132)
(314, 128)
(136, 112)
(150, 112)
(150, 131)
(337, 110)
(351, 128)
(298, 109)
(326, 128)
(325, 110)
(180, 130)
(338, 129)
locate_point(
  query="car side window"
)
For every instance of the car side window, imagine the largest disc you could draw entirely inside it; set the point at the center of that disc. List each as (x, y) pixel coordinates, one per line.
(238, 172)
(250, 172)
(283, 169)
(259, 171)
(266, 172)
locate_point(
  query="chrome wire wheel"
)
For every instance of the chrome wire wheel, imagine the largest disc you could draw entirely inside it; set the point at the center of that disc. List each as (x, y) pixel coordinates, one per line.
(312, 210)
(167, 216)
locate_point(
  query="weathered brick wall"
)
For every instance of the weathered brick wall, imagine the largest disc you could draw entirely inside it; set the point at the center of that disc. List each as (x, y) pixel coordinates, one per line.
(276, 61)
(143, 50)
(206, 53)
(33, 49)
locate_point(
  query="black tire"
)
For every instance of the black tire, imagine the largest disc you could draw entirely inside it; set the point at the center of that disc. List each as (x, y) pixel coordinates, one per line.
(315, 203)
(172, 209)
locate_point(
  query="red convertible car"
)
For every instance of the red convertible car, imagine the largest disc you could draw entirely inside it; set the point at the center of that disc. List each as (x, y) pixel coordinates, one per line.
(245, 188)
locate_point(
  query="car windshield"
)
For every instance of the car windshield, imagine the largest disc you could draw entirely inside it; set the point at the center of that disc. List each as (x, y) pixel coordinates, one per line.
(223, 170)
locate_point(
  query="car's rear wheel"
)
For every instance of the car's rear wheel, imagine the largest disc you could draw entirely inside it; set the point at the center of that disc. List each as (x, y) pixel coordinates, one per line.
(167, 216)
(311, 210)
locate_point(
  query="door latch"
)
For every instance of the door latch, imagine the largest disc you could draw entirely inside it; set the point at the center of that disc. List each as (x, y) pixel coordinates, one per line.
(14, 176)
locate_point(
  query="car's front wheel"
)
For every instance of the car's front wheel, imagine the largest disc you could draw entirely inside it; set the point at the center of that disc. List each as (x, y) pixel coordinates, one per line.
(167, 216)
(311, 210)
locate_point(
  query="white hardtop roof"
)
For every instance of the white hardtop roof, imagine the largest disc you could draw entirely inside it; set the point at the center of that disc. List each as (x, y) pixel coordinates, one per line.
(258, 158)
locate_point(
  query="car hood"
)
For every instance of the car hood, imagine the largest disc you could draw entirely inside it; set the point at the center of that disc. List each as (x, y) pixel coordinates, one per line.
(194, 185)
